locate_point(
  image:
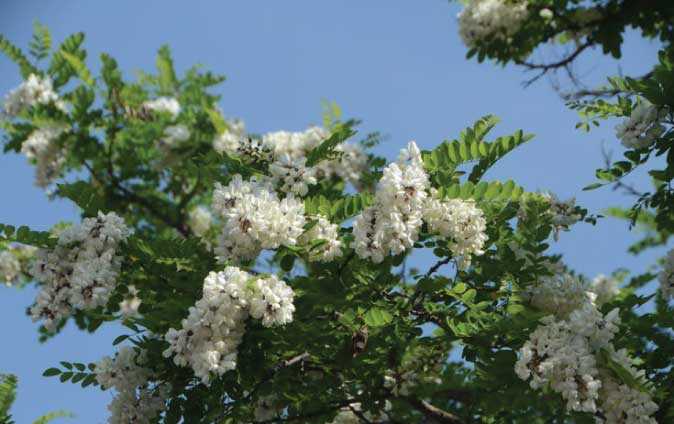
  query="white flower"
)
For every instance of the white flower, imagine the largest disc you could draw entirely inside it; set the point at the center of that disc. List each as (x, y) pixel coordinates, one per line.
(667, 276)
(128, 308)
(605, 288)
(164, 104)
(560, 294)
(272, 301)
(174, 135)
(210, 335)
(624, 404)
(255, 219)
(349, 167)
(41, 147)
(546, 14)
(641, 128)
(199, 221)
(563, 213)
(459, 221)
(326, 232)
(81, 272)
(555, 356)
(35, 90)
(292, 175)
(10, 268)
(561, 354)
(481, 20)
(392, 224)
(136, 401)
(234, 143)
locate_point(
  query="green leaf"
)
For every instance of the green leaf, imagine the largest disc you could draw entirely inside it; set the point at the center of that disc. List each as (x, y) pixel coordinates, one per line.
(120, 339)
(17, 56)
(377, 317)
(8, 385)
(592, 186)
(50, 372)
(326, 150)
(110, 73)
(80, 67)
(40, 45)
(84, 195)
(167, 77)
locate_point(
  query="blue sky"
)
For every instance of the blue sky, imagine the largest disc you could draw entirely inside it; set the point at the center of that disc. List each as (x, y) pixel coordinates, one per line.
(398, 65)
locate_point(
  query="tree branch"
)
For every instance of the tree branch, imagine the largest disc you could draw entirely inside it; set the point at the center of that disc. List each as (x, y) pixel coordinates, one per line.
(433, 412)
(544, 68)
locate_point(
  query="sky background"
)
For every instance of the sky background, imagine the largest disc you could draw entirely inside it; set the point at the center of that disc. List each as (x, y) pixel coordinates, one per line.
(397, 65)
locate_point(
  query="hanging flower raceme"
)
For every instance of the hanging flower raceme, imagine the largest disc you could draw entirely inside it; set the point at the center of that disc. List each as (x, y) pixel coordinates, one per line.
(255, 219)
(322, 240)
(641, 128)
(286, 153)
(42, 148)
(666, 277)
(163, 105)
(81, 271)
(482, 20)
(10, 268)
(562, 353)
(210, 335)
(35, 90)
(138, 400)
(402, 204)
(392, 224)
(459, 221)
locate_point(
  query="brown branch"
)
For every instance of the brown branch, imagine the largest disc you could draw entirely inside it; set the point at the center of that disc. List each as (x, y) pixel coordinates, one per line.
(544, 68)
(599, 92)
(433, 412)
(141, 201)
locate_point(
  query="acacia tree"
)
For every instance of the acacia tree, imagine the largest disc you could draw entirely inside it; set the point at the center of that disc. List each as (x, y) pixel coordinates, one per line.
(264, 278)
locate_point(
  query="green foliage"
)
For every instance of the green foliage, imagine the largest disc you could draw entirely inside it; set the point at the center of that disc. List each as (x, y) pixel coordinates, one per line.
(8, 386)
(166, 73)
(40, 45)
(326, 150)
(356, 320)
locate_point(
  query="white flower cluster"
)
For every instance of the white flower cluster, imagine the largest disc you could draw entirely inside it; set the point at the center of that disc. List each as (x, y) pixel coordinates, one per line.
(462, 223)
(286, 152)
(624, 404)
(137, 401)
(329, 247)
(33, 91)
(560, 294)
(81, 272)
(392, 224)
(200, 220)
(562, 352)
(173, 137)
(42, 147)
(348, 414)
(10, 268)
(211, 334)
(482, 20)
(641, 128)
(563, 213)
(557, 357)
(564, 294)
(163, 105)
(605, 288)
(255, 218)
(128, 308)
(667, 276)
(401, 206)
